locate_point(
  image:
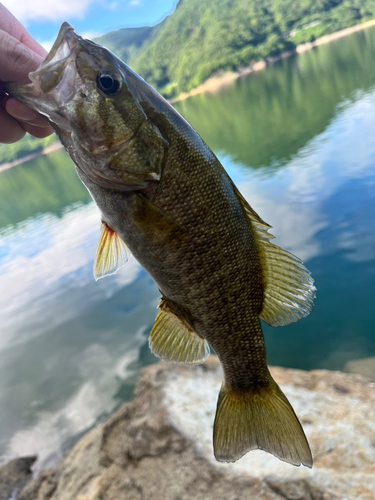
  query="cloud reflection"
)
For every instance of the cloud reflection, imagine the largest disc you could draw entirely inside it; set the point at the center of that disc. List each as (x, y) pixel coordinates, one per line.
(44, 263)
(295, 225)
(299, 199)
(101, 374)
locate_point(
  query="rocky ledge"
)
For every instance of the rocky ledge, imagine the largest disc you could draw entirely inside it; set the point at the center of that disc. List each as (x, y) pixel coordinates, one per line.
(159, 445)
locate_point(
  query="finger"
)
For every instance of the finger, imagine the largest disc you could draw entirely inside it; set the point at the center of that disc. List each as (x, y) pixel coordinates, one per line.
(10, 130)
(11, 25)
(38, 132)
(22, 112)
(16, 60)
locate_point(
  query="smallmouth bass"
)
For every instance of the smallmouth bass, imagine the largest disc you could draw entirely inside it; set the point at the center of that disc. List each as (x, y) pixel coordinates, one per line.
(164, 196)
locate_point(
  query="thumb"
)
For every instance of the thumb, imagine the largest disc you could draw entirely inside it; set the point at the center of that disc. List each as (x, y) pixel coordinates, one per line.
(16, 60)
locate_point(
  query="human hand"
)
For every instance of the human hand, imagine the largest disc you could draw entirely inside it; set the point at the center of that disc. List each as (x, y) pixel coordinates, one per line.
(19, 54)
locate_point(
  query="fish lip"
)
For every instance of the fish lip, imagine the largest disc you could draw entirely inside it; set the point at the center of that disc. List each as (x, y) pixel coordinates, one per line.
(58, 58)
(65, 42)
(66, 30)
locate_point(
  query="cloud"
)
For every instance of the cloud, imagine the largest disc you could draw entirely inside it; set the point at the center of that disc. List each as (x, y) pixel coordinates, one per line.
(42, 10)
(89, 35)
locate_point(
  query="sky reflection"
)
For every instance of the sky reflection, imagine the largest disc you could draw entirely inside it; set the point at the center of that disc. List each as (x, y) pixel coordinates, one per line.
(68, 345)
(71, 348)
(43, 262)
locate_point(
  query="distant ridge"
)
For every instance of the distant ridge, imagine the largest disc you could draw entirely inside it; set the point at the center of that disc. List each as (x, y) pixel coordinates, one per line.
(204, 39)
(201, 38)
(127, 42)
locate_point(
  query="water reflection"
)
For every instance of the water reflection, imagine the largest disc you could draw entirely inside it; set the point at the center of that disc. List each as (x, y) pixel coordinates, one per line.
(47, 184)
(264, 119)
(69, 347)
(322, 207)
(298, 139)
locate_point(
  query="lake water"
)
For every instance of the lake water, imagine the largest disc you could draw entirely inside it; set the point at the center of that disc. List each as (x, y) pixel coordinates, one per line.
(299, 141)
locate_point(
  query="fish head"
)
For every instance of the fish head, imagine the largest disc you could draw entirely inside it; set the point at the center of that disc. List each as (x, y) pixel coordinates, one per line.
(83, 90)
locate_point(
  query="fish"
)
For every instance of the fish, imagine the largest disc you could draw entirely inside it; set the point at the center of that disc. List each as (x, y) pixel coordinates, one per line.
(165, 198)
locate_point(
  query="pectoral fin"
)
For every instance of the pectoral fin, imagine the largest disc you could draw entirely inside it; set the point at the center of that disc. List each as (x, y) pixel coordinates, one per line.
(111, 254)
(289, 289)
(173, 340)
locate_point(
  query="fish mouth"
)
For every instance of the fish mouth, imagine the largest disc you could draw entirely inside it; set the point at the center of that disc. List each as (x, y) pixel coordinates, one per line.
(47, 77)
(55, 81)
(50, 72)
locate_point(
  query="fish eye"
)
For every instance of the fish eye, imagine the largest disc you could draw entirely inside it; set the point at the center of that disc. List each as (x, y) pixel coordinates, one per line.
(107, 82)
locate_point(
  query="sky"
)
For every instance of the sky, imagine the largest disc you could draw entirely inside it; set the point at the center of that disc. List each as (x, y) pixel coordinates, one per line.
(90, 18)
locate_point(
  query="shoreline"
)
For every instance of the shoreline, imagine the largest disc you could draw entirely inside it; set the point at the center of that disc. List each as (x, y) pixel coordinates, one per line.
(214, 83)
(49, 149)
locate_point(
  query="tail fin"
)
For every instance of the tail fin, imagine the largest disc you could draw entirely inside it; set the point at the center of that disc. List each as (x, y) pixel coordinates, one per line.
(263, 420)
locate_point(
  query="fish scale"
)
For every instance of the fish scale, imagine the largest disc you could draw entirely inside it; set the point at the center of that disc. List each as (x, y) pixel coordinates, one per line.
(164, 196)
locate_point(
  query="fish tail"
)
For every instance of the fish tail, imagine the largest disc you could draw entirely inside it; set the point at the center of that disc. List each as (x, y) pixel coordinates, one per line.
(262, 419)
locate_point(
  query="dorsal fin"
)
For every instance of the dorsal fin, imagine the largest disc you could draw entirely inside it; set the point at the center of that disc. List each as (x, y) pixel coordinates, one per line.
(173, 340)
(289, 289)
(111, 253)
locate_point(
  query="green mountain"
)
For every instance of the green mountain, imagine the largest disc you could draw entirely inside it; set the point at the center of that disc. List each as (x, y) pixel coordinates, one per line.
(127, 42)
(205, 37)
(266, 120)
(202, 38)
(28, 144)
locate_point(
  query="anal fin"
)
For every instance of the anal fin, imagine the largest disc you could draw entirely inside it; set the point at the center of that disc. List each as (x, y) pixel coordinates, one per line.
(173, 340)
(111, 253)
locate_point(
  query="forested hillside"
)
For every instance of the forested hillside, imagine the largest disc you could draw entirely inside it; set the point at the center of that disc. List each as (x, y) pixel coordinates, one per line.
(203, 37)
(127, 42)
(27, 145)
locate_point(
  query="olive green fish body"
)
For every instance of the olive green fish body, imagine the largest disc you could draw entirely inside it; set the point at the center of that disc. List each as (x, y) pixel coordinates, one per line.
(164, 196)
(207, 262)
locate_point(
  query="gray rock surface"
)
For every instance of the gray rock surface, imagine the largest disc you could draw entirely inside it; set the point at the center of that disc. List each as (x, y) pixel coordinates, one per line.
(14, 475)
(159, 445)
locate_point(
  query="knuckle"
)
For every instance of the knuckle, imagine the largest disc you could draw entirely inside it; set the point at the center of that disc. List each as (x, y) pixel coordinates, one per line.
(19, 56)
(17, 60)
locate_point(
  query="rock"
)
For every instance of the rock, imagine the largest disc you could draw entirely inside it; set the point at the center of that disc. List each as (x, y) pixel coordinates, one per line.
(14, 475)
(159, 445)
(42, 488)
(364, 366)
